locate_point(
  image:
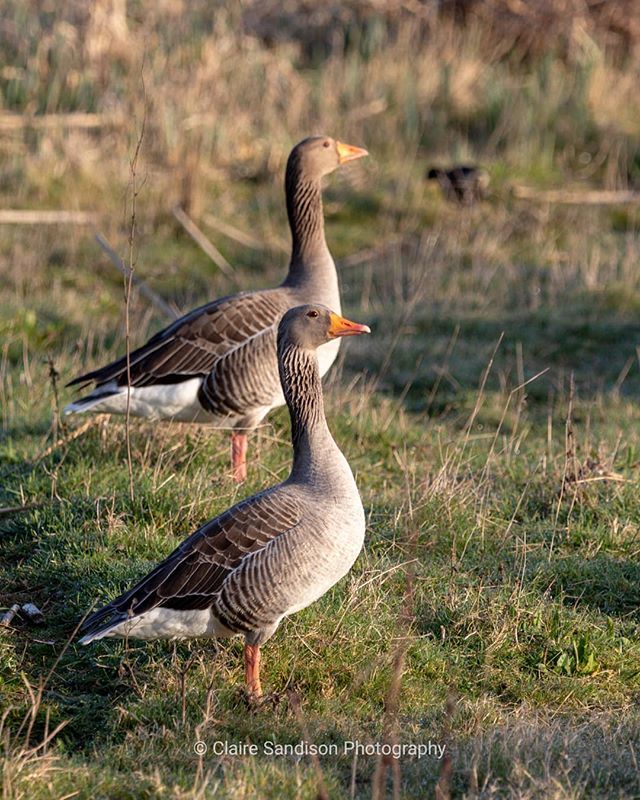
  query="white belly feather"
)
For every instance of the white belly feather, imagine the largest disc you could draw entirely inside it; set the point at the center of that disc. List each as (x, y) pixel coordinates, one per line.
(166, 623)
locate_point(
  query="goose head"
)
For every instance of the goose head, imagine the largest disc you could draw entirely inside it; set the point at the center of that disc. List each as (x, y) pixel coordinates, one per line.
(311, 326)
(319, 155)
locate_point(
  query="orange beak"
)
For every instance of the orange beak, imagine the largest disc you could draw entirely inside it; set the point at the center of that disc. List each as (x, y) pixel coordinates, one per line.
(344, 327)
(348, 152)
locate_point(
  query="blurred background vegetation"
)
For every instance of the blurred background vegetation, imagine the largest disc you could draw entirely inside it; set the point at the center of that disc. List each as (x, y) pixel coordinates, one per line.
(542, 94)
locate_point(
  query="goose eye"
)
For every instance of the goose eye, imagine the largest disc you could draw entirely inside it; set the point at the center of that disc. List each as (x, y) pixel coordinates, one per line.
(326, 144)
(312, 313)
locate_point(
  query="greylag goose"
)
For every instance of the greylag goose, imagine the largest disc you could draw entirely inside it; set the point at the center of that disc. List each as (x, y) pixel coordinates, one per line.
(272, 554)
(218, 363)
(465, 185)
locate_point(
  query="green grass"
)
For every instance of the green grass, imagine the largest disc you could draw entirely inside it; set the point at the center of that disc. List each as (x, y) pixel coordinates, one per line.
(491, 419)
(526, 596)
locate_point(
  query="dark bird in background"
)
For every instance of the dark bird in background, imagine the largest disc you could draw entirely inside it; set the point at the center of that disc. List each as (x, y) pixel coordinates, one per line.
(465, 185)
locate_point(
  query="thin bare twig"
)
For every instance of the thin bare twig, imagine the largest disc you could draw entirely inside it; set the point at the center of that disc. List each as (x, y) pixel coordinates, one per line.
(570, 471)
(182, 673)
(66, 439)
(444, 367)
(77, 120)
(8, 511)
(369, 253)
(203, 241)
(36, 699)
(481, 390)
(294, 701)
(7, 617)
(18, 216)
(236, 234)
(140, 285)
(53, 377)
(594, 197)
(443, 787)
(128, 280)
(392, 700)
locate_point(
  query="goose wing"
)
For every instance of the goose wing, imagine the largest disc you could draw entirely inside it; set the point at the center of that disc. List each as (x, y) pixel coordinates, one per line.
(195, 344)
(191, 577)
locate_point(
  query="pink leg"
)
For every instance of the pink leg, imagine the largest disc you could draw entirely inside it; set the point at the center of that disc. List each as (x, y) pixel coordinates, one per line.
(252, 669)
(239, 456)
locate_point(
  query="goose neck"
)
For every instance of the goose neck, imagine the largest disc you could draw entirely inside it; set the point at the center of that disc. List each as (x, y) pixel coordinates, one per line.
(306, 220)
(310, 435)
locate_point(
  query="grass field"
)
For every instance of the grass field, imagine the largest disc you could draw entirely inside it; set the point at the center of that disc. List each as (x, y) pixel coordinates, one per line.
(491, 419)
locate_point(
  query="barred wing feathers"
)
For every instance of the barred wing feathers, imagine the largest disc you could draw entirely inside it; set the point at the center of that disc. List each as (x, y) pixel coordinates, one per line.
(197, 343)
(193, 575)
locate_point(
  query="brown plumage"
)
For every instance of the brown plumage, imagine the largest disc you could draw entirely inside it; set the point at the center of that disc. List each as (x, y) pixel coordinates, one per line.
(218, 363)
(272, 554)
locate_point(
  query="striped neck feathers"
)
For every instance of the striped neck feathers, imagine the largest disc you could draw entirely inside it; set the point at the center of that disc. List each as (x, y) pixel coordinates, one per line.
(300, 377)
(306, 217)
